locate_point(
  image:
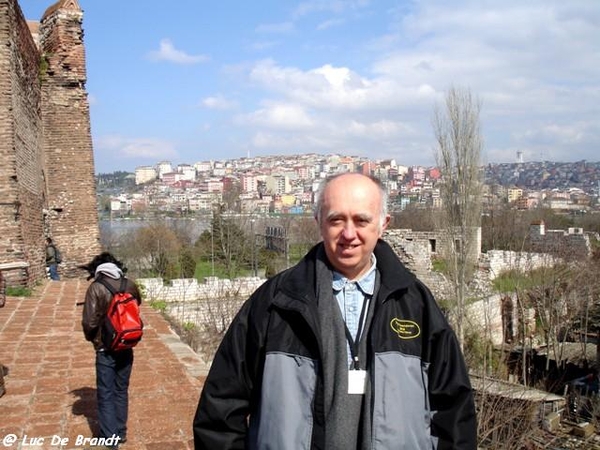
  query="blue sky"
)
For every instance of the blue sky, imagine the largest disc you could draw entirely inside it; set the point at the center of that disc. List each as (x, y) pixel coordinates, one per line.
(192, 81)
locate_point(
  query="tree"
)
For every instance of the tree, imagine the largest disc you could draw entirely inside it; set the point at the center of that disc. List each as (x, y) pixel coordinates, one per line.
(414, 218)
(458, 154)
(227, 244)
(152, 251)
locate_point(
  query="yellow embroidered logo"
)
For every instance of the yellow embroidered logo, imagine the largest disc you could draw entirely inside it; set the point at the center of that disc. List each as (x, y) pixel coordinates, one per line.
(405, 329)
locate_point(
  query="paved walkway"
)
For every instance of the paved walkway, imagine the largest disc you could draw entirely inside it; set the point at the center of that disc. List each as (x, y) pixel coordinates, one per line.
(50, 385)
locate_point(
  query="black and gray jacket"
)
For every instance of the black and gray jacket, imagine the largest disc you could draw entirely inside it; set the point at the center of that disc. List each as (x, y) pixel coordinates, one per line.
(265, 386)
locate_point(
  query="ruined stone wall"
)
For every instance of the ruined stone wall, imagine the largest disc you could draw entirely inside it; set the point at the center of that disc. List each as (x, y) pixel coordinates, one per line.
(46, 161)
(497, 262)
(69, 163)
(570, 244)
(21, 182)
(415, 248)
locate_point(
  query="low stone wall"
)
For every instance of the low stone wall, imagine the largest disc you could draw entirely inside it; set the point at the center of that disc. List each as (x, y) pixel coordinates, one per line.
(210, 314)
(188, 289)
(495, 262)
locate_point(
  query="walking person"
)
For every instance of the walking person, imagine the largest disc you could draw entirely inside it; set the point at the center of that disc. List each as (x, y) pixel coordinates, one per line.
(113, 368)
(53, 259)
(345, 350)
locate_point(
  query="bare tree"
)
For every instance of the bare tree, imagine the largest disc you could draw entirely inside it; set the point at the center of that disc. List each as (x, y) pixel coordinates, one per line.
(458, 154)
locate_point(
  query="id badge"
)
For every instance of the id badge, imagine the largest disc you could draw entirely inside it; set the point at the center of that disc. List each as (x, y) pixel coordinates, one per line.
(356, 381)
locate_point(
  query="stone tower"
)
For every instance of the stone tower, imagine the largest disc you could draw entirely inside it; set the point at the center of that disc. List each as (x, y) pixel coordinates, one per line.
(71, 212)
(47, 183)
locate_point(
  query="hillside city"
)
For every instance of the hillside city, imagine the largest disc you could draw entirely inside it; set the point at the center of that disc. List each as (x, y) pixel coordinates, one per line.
(286, 184)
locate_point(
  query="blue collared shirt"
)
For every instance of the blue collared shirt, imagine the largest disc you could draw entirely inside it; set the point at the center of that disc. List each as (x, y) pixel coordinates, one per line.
(351, 296)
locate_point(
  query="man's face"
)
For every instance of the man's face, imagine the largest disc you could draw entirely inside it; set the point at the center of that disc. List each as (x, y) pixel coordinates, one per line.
(350, 223)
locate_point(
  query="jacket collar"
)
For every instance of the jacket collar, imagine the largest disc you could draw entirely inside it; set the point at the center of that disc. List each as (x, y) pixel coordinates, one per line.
(299, 281)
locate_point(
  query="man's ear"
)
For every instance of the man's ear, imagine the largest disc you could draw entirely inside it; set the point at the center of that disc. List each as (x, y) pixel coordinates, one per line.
(386, 222)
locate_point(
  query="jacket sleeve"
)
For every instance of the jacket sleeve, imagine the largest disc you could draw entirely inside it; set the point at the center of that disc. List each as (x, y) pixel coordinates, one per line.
(94, 309)
(221, 420)
(454, 421)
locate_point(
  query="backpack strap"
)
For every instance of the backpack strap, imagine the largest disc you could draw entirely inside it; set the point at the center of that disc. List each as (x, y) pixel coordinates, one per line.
(107, 285)
(123, 284)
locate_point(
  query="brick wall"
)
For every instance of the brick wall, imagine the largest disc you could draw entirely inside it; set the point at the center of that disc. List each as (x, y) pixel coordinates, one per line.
(46, 179)
(69, 164)
(21, 182)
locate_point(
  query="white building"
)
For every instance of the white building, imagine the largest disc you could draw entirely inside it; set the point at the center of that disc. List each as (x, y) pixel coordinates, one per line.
(203, 167)
(204, 201)
(187, 172)
(163, 167)
(249, 183)
(144, 174)
(278, 184)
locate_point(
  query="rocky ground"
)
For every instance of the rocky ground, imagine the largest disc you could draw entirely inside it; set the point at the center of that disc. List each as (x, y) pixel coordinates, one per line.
(563, 439)
(560, 439)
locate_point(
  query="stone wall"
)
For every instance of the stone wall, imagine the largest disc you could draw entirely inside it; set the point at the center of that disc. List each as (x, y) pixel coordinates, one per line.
(69, 166)
(188, 289)
(47, 185)
(211, 304)
(21, 181)
(569, 244)
(495, 262)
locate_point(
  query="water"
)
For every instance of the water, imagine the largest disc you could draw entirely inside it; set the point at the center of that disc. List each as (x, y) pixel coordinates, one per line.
(111, 230)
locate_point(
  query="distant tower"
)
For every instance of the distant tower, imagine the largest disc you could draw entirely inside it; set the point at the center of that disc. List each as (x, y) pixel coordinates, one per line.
(520, 157)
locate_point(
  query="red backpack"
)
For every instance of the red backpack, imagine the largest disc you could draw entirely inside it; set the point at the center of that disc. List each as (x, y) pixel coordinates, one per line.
(123, 326)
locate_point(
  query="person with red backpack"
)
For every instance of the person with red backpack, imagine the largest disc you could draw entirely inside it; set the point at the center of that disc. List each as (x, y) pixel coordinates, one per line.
(113, 364)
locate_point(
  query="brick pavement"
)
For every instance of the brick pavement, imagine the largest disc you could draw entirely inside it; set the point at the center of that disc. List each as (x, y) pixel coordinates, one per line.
(51, 376)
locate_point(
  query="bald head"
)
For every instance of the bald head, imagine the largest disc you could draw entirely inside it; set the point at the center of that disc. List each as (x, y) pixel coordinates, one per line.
(352, 216)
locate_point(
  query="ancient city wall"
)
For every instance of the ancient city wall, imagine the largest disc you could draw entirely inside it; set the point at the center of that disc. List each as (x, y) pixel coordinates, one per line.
(21, 180)
(69, 166)
(186, 289)
(46, 161)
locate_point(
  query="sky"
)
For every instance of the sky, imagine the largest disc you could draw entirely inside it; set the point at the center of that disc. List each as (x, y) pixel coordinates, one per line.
(191, 80)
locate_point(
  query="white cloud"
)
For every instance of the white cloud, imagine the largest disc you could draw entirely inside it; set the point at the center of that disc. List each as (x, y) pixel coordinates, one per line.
(260, 46)
(331, 23)
(276, 28)
(92, 100)
(340, 90)
(168, 52)
(332, 6)
(535, 67)
(219, 102)
(135, 148)
(279, 116)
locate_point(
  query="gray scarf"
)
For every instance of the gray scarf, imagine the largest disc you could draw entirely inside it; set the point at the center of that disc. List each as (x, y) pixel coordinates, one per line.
(347, 416)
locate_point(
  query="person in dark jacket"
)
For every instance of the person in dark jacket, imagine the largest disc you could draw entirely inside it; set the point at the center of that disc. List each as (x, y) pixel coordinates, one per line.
(345, 350)
(113, 369)
(52, 259)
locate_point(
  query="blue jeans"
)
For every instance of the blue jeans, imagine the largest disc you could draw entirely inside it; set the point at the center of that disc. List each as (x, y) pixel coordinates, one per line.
(113, 370)
(53, 271)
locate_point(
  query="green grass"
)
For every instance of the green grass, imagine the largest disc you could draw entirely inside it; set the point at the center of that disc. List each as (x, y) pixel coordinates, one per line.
(18, 291)
(514, 280)
(439, 265)
(204, 269)
(189, 326)
(159, 305)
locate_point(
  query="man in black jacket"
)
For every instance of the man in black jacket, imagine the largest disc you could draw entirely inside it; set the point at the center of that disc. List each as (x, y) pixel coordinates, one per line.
(113, 369)
(345, 350)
